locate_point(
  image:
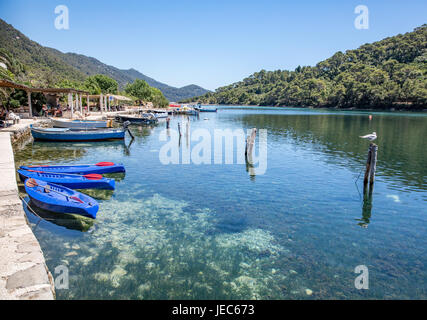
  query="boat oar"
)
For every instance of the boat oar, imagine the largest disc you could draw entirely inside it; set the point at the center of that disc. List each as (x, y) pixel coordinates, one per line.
(90, 176)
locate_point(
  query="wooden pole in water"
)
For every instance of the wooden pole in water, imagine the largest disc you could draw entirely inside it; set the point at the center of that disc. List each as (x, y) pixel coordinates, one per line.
(373, 166)
(179, 129)
(368, 167)
(250, 140)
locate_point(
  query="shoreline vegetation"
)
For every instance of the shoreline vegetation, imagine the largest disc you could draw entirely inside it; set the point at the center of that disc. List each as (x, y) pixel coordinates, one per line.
(393, 109)
(388, 74)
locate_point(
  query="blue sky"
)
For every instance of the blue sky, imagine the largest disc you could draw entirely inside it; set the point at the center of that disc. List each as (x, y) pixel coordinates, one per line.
(210, 43)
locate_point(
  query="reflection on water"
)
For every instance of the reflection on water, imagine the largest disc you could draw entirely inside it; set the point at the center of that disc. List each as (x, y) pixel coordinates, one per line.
(218, 232)
(366, 208)
(69, 221)
(400, 139)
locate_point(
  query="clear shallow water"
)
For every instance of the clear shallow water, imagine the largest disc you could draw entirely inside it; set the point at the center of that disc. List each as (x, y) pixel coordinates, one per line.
(215, 232)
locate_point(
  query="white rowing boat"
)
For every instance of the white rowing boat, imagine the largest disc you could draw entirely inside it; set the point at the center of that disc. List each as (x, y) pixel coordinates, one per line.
(78, 124)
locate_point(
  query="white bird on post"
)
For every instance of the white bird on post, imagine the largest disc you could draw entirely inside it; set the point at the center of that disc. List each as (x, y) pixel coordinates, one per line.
(370, 137)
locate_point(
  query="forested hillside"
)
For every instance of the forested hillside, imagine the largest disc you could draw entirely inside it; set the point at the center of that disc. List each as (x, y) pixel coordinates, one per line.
(391, 73)
(46, 66)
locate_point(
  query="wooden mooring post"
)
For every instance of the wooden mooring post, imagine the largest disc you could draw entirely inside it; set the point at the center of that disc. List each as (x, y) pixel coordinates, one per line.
(179, 129)
(250, 140)
(371, 165)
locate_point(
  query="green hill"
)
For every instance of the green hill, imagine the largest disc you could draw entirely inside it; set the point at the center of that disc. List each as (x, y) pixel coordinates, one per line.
(46, 66)
(391, 73)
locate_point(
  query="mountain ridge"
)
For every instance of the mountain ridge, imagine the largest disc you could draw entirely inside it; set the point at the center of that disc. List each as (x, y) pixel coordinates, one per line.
(47, 66)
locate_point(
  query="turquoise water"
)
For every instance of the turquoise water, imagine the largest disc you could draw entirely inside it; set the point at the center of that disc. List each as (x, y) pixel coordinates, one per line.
(219, 231)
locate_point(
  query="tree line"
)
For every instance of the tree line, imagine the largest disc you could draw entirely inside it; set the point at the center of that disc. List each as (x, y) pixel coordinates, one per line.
(391, 73)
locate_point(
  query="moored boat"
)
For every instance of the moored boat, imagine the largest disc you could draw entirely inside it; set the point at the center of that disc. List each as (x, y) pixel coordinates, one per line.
(78, 124)
(72, 181)
(200, 109)
(137, 119)
(162, 115)
(59, 199)
(186, 110)
(67, 135)
(99, 168)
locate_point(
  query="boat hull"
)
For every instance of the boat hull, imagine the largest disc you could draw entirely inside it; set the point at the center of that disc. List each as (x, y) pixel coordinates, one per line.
(60, 199)
(78, 169)
(66, 135)
(78, 124)
(135, 120)
(208, 110)
(161, 115)
(68, 180)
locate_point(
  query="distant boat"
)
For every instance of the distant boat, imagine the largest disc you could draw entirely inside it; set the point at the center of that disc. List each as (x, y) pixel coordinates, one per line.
(78, 124)
(73, 181)
(187, 111)
(161, 115)
(68, 135)
(99, 168)
(137, 119)
(59, 199)
(200, 109)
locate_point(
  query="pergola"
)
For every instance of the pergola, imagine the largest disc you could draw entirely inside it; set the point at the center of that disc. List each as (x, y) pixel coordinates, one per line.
(105, 100)
(74, 95)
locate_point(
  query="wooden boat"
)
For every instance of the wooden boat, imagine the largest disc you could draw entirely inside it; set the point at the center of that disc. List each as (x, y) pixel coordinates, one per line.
(72, 181)
(98, 168)
(78, 124)
(56, 198)
(66, 134)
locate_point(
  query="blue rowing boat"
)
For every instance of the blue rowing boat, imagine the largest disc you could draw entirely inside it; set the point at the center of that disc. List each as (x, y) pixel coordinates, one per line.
(99, 168)
(68, 135)
(59, 199)
(73, 181)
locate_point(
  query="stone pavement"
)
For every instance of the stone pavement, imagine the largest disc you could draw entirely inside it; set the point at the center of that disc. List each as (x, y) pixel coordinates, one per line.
(23, 271)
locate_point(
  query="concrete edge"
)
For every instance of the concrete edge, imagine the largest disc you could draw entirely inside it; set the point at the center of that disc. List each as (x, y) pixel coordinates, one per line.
(23, 271)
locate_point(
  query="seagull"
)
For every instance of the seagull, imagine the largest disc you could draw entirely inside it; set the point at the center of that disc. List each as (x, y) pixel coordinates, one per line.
(370, 137)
